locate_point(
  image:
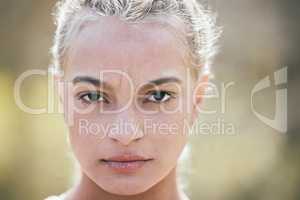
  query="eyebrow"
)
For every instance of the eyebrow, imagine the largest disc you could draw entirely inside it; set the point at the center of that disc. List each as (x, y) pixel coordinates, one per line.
(161, 81)
(91, 80)
(86, 79)
(96, 82)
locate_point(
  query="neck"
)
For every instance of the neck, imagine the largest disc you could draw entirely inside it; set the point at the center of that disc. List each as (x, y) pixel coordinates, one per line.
(166, 189)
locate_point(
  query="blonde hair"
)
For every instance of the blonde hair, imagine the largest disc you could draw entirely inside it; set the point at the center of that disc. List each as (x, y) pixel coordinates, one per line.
(201, 36)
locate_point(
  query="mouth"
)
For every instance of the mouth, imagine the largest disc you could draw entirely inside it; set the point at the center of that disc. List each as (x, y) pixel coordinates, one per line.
(126, 163)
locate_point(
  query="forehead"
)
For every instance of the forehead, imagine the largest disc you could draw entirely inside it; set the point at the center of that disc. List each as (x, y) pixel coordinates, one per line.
(143, 51)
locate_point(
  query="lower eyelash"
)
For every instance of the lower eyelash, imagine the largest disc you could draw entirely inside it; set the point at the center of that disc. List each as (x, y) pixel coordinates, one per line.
(171, 94)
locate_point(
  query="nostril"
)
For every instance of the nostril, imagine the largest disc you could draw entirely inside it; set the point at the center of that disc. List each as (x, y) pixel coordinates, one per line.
(114, 139)
(125, 139)
(137, 139)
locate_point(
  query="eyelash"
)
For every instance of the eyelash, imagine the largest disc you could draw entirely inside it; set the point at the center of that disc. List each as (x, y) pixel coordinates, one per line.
(81, 97)
(151, 93)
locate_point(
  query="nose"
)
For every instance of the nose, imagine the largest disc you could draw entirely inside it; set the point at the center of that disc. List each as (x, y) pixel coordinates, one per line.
(127, 128)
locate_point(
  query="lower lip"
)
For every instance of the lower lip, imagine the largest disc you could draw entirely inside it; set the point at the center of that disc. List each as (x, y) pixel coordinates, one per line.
(125, 167)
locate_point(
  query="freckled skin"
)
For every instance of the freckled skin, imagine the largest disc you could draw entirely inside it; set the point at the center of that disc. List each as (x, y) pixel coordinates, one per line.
(144, 52)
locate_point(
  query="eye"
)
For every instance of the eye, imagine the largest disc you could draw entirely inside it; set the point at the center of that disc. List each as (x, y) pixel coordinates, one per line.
(158, 96)
(93, 97)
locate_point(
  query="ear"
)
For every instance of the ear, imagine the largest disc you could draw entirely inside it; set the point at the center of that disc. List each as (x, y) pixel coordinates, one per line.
(199, 94)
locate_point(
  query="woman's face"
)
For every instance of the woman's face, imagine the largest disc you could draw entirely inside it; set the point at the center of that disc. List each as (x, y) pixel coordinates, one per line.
(127, 103)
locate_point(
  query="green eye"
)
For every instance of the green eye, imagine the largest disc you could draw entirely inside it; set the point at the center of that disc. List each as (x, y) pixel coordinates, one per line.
(158, 96)
(93, 97)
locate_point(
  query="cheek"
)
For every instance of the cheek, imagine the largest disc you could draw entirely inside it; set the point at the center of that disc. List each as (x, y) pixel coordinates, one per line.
(86, 135)
(83, 146)
(168, 136)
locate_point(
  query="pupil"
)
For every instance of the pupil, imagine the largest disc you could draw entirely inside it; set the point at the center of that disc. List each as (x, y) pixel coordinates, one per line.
(159, 95)
(94, 96)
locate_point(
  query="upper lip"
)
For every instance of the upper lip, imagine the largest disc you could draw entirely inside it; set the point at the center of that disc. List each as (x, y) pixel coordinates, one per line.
(126, 158)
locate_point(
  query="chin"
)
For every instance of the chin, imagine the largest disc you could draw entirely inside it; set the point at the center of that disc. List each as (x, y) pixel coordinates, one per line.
(125, 189)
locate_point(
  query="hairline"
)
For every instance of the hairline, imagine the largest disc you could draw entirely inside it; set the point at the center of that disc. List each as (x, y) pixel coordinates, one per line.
(173, 23)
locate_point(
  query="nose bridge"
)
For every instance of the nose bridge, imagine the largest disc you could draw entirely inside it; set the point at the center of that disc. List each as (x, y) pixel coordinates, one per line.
(128, 115)
(126, 89)
(129, 127)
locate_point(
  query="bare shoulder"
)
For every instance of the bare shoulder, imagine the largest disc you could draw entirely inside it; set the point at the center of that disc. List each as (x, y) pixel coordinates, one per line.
(54, 198)
(61, 197)
(183, 196)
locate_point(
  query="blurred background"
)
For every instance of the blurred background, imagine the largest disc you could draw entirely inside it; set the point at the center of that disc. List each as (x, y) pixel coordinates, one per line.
(251, 161)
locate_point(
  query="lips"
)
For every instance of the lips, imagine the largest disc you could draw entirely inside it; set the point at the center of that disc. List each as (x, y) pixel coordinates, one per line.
(126, 163)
